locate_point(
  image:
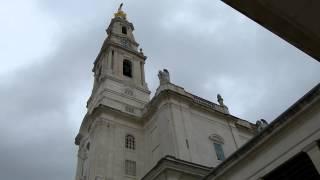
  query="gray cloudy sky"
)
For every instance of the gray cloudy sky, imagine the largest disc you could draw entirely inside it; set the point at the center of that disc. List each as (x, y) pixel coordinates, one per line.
(47, 49)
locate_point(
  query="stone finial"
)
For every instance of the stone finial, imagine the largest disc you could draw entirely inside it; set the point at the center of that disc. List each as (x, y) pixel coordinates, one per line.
(164, 77)
(220, 100)
(120, 13)
(120, 7)
(261, 124)
(141, 51)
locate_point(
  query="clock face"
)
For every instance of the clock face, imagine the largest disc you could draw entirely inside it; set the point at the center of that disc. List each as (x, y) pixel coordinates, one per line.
(125, 42)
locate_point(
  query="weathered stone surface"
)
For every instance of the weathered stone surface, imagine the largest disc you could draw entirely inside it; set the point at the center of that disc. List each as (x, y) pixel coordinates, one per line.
(174, 122)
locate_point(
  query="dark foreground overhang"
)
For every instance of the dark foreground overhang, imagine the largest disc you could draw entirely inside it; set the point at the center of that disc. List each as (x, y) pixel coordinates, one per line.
(294, 21)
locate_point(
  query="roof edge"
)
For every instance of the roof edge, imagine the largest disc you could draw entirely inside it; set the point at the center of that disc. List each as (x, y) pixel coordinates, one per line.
(300, 105)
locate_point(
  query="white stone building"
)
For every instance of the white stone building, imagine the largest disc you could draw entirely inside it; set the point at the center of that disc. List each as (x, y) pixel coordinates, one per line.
(288, 149)
(125, 135)
(180, 136)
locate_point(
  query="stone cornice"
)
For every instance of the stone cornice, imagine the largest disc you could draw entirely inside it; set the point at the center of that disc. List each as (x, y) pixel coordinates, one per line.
(136, 53)
(89, 119)
(279, 123)
(125, 82)
(108, 44)
(153, 105)
(188, 98)
(171, 163)
(124, 37)
(126, 116)
(98, 97)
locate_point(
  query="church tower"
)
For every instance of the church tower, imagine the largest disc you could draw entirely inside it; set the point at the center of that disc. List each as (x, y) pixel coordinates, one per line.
(119, 79)
(118, 97)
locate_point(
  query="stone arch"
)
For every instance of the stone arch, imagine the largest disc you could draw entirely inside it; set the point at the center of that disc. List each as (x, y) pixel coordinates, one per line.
(130, 142)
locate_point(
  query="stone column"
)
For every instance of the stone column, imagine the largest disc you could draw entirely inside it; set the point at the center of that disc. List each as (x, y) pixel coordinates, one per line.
(142, 73)
(115, 62)
(110, 59)
(118, 61)
(79, 166)
(101, 142)
(104, 64)
(135, 71)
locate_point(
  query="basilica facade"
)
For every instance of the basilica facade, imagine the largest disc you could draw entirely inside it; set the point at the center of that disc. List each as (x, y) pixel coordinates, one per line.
(127, 135)
(176, 135)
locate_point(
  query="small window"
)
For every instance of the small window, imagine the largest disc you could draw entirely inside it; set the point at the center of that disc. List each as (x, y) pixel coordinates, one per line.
(130, 168)
(127, 68)
(130, 142)
(219, 151)
(124, 30)
(217, 144)
(88, 146)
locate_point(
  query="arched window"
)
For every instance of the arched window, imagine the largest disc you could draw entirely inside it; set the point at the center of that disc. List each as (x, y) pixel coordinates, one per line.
(127, 68)
(217, 144)
(124, 30)
(130, 142)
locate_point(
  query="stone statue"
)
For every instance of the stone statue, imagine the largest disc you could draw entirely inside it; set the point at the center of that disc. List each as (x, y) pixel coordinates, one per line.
(261, 124)
(141, 51)
(220, 100)
(164, 77)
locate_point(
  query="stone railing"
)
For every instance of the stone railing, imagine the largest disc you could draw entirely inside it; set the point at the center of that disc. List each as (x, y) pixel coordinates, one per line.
(205, 102)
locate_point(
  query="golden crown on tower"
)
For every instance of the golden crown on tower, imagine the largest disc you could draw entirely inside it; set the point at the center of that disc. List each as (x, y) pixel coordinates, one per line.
(120, 13)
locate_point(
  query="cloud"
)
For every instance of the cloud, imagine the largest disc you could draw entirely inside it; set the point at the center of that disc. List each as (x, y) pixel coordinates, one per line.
(24, 33)
(37, 129)
(208, 48)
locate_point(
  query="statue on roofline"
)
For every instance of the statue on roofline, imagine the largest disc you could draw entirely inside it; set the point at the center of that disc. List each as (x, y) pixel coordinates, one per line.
(164, 77)
(261, 124)
(220, 100)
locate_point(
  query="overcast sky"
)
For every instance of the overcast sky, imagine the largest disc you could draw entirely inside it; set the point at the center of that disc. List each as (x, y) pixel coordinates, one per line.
(47, 48)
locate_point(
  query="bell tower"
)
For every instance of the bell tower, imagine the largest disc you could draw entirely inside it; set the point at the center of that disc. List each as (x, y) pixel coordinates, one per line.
(119, 78)
(111, 136)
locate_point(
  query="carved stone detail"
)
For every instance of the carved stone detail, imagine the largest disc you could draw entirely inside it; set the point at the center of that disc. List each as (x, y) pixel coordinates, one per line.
(216, 138)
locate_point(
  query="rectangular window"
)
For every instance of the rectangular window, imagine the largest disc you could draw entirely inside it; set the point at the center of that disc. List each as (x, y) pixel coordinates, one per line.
(130, 168)
(127, 68)
(219, 151)
(124, 30)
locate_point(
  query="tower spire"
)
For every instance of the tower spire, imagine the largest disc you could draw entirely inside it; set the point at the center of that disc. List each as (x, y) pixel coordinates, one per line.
(120, 7)
(119, 68)
(120, 13)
